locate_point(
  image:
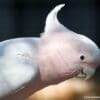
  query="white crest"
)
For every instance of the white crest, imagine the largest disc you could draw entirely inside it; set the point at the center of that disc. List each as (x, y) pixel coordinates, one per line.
(52, 23)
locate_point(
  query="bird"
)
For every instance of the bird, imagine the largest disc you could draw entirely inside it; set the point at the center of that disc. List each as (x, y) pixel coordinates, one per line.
(30, 64)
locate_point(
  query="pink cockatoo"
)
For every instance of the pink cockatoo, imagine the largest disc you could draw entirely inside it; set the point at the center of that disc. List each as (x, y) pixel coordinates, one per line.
(30, 64)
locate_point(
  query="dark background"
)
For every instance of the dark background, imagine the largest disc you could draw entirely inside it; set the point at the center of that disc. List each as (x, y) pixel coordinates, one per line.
(25, 18)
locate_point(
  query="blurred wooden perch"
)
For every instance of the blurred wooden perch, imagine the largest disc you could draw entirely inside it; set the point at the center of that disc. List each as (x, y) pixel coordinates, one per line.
(72, 89)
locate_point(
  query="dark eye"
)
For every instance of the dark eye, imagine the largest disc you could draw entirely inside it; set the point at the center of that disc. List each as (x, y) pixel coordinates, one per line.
(82, 57)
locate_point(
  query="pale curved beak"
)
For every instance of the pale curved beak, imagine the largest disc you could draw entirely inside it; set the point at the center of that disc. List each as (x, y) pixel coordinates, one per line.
(86, 73)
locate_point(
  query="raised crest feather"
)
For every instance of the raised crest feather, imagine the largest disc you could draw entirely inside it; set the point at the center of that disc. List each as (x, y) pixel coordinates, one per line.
(52, 23)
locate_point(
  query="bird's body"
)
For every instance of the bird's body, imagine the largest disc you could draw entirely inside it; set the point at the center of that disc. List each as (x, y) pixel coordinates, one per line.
(20, 56)
(29, 64)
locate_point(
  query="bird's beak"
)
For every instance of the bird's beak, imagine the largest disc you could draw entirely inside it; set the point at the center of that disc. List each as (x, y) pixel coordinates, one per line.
(86, 73)
(81, 74)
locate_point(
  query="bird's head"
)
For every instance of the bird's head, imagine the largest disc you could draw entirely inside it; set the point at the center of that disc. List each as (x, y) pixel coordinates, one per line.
(62, 53)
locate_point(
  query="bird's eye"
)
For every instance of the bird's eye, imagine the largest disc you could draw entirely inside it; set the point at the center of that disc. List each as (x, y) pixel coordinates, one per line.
(82, 57)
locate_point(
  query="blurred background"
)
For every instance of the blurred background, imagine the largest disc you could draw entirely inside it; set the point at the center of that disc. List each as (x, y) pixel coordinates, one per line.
(26, 18)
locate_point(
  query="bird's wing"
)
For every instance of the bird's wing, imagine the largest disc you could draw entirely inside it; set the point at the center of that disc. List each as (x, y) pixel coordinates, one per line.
(17, 64)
